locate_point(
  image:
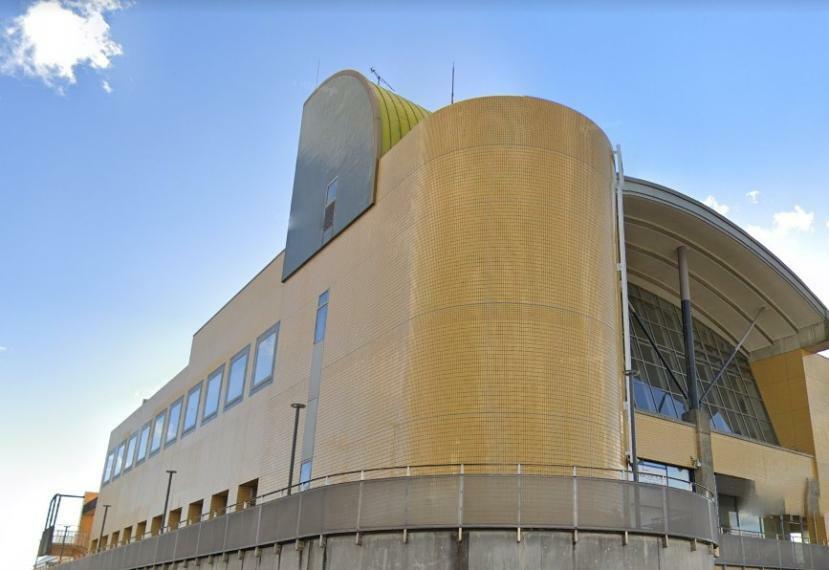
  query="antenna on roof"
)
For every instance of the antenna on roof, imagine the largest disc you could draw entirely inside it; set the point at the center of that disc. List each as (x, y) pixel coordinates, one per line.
(452, 96)
(380, 79)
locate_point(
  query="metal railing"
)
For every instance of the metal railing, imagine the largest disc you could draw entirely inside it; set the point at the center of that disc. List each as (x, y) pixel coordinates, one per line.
(426, 469)
(433, 497)
(741, 549)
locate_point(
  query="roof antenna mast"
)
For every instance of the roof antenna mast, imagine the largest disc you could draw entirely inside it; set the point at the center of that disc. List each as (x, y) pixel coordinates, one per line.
(452, 95)
(380, 79)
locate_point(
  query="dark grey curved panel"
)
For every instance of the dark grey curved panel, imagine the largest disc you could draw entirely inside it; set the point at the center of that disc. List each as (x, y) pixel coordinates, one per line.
(338, 140)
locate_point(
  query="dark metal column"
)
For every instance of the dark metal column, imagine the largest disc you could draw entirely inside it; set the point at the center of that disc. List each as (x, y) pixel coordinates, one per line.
(705, 482)
(688, 329)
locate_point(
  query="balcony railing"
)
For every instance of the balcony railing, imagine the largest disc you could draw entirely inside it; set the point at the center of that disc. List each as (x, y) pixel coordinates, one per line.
(744, 550)
(468, 497)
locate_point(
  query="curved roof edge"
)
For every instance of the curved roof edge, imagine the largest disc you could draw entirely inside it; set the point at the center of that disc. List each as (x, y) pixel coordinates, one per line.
(657, 192)
(395, 116)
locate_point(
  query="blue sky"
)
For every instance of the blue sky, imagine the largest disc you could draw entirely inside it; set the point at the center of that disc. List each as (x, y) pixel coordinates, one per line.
(142, 187)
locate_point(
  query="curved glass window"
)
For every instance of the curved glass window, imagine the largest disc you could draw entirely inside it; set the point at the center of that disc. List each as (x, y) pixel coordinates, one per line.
(734, 403)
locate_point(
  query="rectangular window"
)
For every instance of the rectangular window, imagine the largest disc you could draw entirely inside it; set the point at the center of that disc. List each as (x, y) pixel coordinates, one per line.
(131, 452)
(322, 317)
(305, 475)
(218, 504)
(119, 460)
(194, 512)
(212, 394)
(158, 432)
(264, 358)
(236, 377)
(666, 475)
(328, 211)
(143, 443)
(173, 422)
(108, 466)
(191, 414)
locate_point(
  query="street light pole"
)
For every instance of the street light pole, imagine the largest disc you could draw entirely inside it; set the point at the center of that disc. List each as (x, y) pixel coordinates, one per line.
(63, 543)
(170, 473)
(297, 407)
(103, 524)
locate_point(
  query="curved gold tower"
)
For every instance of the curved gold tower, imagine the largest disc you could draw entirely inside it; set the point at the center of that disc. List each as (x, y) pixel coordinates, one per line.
(515, 346)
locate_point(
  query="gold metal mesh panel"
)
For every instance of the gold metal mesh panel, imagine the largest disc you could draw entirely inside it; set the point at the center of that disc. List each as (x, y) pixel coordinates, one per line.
(485, 327)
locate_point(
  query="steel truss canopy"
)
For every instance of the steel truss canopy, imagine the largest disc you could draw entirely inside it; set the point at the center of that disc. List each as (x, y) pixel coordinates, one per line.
(732, 275)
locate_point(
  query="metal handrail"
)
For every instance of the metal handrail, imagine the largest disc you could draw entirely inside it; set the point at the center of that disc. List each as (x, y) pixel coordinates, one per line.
(410, 470)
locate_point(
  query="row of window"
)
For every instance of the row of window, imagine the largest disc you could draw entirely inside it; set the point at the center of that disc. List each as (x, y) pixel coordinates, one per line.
(734, 403)
(149, 440)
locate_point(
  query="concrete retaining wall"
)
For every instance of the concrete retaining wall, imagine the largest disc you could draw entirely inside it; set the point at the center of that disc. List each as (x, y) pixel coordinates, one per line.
(479, 550)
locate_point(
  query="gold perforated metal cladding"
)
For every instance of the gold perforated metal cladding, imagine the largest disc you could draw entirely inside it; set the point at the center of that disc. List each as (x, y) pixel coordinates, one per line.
(485, 329)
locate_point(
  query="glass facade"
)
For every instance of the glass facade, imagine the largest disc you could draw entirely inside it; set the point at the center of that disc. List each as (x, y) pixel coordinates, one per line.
(734, 403)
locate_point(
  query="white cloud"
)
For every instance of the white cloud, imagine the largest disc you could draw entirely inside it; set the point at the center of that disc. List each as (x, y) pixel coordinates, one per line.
(792, 239)
(106, 86)
(3, 349)
(795, 220)
(753, 196)
(54, 37)
(712, 203)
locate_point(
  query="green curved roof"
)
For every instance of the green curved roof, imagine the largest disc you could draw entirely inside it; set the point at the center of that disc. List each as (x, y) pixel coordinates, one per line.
(398, 116)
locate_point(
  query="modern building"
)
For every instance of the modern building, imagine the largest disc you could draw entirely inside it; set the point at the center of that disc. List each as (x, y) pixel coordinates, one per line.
(470, 306)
